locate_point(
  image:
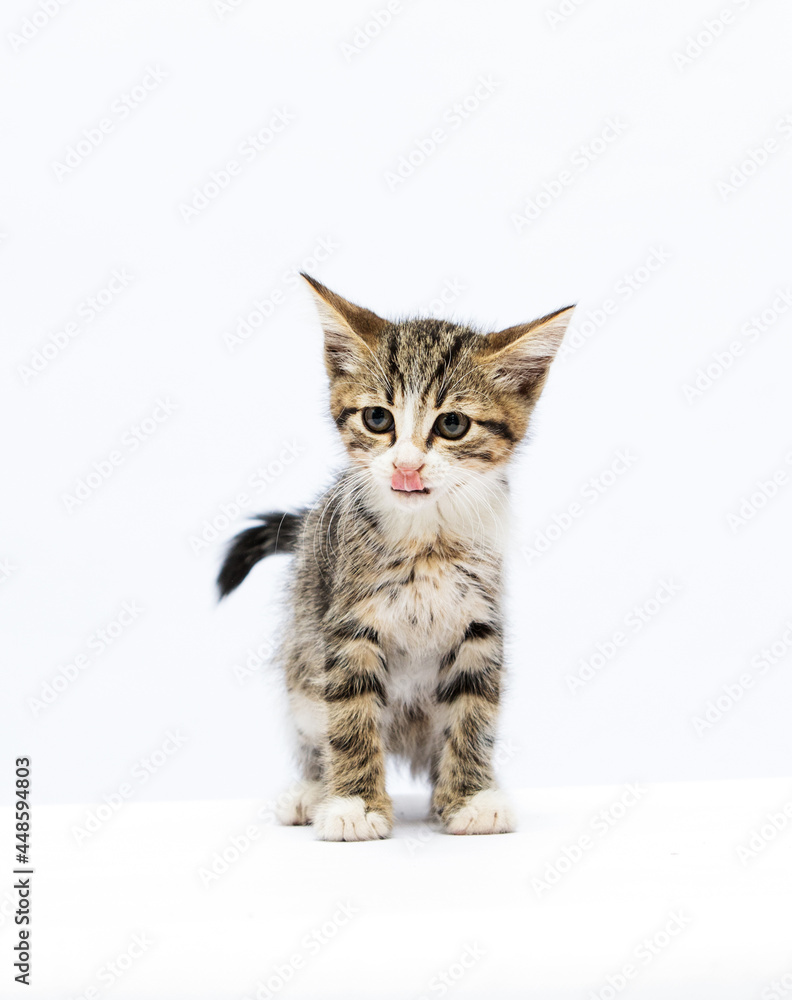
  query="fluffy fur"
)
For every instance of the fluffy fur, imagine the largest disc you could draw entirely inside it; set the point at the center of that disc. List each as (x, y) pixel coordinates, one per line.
(395, 643)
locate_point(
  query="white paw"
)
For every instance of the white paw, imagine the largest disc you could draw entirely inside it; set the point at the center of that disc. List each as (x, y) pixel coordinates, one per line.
(298, 806)
(342, 817)
(484, 812)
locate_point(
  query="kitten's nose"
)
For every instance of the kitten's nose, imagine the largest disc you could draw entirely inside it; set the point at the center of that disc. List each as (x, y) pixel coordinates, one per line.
(407, 477)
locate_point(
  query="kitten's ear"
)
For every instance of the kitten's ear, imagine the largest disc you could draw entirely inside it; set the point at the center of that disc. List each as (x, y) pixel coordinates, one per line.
(520, 357)
(350, 331)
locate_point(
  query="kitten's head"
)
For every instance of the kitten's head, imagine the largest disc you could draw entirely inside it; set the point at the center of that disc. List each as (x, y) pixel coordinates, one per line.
(427, 408)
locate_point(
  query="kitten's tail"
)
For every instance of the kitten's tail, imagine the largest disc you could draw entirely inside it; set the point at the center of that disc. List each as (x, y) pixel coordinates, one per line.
(276, 533)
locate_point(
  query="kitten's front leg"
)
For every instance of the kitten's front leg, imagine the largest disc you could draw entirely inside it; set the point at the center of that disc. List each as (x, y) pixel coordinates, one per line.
(357, 806)
(297, 806)
(465, 797)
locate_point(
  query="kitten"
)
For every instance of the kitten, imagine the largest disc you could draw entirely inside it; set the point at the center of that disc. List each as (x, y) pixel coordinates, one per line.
(395, 643)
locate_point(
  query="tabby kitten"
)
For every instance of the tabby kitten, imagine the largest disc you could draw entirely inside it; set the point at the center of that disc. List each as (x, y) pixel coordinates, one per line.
(395, 643)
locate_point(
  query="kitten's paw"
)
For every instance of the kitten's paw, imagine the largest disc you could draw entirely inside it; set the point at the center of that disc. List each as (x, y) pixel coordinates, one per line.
(342, 817)
(297, 807)
(485, 812)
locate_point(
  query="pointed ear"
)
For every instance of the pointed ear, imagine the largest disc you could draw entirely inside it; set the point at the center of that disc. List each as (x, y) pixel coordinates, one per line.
(350, 331)
(520, 357)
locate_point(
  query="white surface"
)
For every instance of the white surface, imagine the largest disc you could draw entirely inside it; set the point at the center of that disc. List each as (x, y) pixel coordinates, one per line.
(662, 514)
(662, 853)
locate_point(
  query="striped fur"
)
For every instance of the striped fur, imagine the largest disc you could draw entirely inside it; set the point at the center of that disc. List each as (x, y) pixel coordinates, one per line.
(395, 644)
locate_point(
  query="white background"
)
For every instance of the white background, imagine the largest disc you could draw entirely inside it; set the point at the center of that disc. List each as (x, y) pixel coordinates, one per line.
(156, 758)
(652, 192)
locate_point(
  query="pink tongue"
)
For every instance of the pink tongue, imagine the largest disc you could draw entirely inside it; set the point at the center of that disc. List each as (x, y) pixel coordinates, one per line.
(406, 481)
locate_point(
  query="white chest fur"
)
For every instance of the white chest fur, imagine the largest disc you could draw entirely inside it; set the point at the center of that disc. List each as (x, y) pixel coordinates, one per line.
(424, 615)
(430, 606)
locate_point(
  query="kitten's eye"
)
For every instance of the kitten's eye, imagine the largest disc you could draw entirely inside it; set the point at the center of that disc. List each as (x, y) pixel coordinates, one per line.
(378, 419)
(452, 425)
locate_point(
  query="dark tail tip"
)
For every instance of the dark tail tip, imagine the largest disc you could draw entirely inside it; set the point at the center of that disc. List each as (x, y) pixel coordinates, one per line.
(276, 533)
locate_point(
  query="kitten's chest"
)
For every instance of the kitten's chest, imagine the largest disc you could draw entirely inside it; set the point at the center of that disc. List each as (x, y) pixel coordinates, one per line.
(427, 602)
